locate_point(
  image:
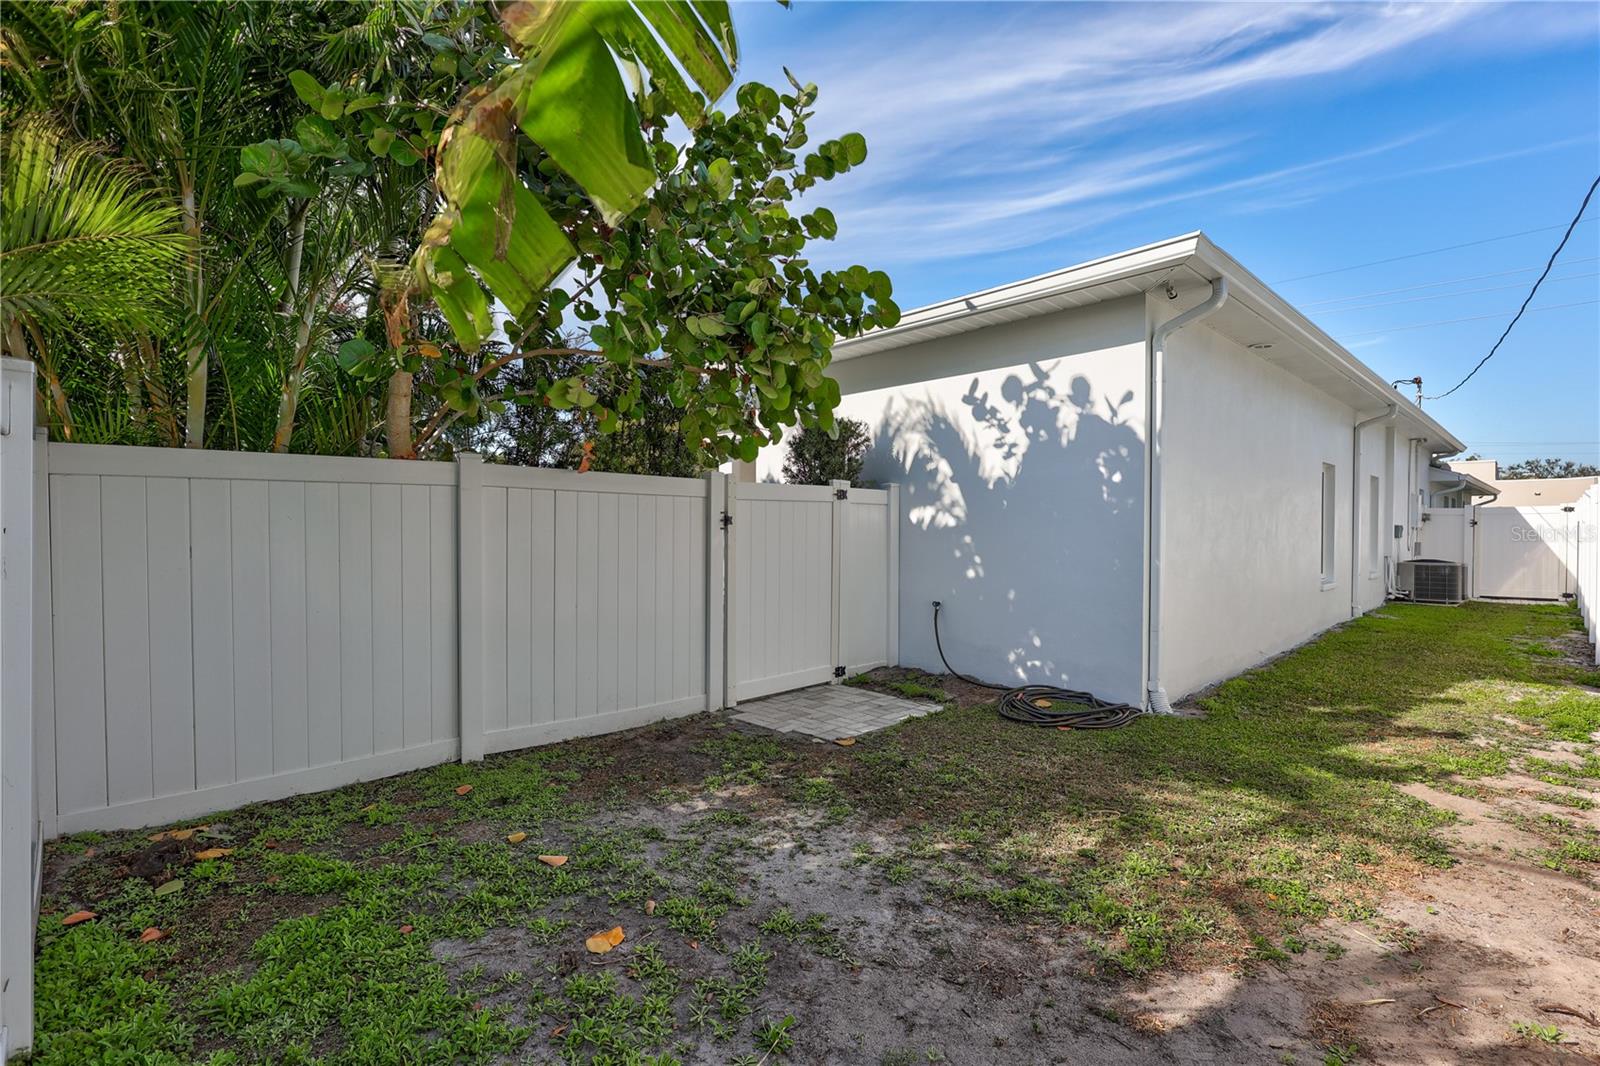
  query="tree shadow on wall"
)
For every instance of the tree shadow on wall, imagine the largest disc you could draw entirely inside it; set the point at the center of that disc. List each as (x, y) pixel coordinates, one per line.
(1027, 516)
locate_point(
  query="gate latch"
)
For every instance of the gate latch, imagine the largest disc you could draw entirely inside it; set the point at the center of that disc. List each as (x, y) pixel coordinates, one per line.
(838, 671)
(727, 519)
(841, 494)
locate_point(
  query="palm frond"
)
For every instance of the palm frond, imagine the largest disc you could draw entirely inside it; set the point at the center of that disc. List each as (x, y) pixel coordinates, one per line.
(80, 238)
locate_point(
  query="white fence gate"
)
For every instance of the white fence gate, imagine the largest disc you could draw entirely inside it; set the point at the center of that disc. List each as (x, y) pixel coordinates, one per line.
(1527, 552)
(217, 628)
(813, 576)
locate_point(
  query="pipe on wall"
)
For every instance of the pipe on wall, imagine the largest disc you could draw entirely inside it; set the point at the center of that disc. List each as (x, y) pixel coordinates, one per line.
(1157, 701)
(1355, 503)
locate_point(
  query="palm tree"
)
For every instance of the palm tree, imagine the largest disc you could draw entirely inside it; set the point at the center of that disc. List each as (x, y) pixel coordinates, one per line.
(82, 241)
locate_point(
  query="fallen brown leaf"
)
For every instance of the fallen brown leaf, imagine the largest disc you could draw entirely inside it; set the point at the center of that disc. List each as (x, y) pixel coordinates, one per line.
(601, 943)
(1374, 1002)
(151, 935)
(405, 930)
(212, 853)
(553, 860)
(462, 790)
(845, 742)
(557, 1031)
(516, 838)
(649, 906)
(78, 916)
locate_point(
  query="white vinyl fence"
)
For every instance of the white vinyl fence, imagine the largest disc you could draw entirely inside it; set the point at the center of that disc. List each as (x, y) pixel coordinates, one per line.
(1586, 583)
(585, 605)
(217, 628)
(813, 584)
(19, 824)
(1527, 552)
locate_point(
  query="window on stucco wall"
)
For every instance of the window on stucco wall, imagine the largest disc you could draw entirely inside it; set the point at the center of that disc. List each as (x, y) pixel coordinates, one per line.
(1329, 506)
(1374, 530)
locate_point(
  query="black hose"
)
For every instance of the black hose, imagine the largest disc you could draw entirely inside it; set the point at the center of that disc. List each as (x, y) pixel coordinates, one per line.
(1042, 704)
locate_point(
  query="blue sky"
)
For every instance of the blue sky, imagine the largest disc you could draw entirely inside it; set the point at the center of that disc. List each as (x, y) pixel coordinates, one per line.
(1010, 139)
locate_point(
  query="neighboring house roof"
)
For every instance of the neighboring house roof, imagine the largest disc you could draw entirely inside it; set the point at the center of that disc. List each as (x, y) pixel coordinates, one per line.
(1254, 316)
(1451, 479)
(1542, 491)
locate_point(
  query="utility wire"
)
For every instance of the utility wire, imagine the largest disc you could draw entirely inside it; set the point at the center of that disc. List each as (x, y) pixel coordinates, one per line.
(1448, 295)
(1551, 263)
(1469, 318)
(1435, 284)
(1417, 255)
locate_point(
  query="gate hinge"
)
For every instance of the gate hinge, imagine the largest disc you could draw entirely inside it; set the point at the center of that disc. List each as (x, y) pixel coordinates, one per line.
(838, 671)
(841, 494)
(727, 519)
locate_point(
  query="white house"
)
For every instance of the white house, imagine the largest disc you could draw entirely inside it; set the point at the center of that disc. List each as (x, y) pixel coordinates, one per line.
(1521, 491)
(1137, 476)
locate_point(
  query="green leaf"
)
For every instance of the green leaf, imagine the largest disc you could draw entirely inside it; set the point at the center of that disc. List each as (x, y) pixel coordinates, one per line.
(855, 148)
(578, 110)
(518, 251)
(759, 98)
(459, 297)
(821, 223)
(167, 888)
(307, 88)
(354, 352)
(719, 173)
(332, 105)
(378, 144)
(317, 136)
(700, 53)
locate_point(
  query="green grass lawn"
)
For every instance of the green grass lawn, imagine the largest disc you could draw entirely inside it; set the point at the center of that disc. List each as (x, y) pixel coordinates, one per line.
(318, 935)
(1182, 837)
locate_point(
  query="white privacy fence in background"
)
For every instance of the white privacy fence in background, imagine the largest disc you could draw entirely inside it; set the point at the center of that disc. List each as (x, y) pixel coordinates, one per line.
(1586, 520)
(216, 628)
(1526, 552)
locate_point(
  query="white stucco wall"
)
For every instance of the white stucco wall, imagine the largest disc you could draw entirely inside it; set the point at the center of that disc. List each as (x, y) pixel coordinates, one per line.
(1020, 452)
(1243, 444)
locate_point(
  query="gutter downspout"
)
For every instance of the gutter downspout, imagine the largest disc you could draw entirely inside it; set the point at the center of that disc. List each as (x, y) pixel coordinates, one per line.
(1355, 503)
(1156, 700)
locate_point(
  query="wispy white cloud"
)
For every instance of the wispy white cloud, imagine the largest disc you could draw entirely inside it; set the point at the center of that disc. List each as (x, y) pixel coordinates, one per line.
(994, 127)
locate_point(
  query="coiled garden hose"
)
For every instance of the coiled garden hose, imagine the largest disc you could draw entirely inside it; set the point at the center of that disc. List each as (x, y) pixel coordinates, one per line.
(1046, 705)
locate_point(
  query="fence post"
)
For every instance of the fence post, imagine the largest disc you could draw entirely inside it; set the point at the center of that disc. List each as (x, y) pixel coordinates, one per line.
(716, 598)
(18, 819)
(44, 656)
(469, 601)
(841, 490)
(730, 595)
(894, 575)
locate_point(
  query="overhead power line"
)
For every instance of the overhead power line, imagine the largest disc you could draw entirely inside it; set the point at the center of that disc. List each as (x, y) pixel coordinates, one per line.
(1430, 251)
(1520, 311)
(1469, 318)
(1447, 295)
(1435, 284)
